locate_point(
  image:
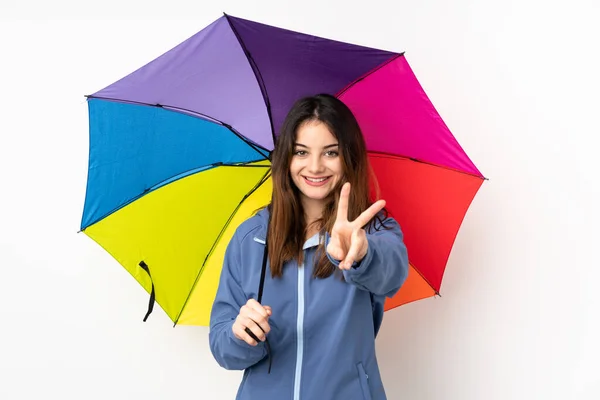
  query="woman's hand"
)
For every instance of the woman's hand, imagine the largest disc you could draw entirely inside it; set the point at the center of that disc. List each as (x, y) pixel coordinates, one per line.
(348, 241)
(255, 317)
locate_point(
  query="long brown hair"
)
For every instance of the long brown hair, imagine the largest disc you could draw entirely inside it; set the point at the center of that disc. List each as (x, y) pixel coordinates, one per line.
(287, 227)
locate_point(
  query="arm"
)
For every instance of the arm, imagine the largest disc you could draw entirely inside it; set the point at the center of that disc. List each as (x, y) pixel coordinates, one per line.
(384, 268)
(229, 351)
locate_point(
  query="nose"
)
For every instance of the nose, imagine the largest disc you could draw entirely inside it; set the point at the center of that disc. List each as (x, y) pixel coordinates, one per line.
(315, 164)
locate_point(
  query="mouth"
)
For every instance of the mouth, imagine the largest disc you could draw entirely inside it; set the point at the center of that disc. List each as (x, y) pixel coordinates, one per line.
(316, 181)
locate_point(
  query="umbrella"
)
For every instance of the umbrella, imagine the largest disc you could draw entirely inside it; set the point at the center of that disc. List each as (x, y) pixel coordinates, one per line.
(179, 155)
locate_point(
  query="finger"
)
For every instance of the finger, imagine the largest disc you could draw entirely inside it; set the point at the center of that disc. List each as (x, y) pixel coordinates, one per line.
(367, 215)
(336, 252)
(354, 249)
(248, 331)
(269, 310)
(334, 248)
(262, 322)
(256, 317)
(256, 306)
(342, 211)
(252, 336)
(243, 333)
(255, 329)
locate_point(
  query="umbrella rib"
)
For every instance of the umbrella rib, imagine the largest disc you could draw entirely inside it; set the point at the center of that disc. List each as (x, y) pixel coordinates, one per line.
(265, 177)
(255, 146)
(257, 75)
(372, 71)
(437, 293)
(184, 174)
(397, 156)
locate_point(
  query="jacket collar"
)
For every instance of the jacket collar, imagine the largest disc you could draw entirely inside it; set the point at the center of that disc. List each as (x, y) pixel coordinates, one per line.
(261, 234)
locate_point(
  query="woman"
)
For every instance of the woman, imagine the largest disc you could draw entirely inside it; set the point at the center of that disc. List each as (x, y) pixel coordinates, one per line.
(333, 258)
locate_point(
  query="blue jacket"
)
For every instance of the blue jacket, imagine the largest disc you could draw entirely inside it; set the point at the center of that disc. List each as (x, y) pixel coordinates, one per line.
(322, 330)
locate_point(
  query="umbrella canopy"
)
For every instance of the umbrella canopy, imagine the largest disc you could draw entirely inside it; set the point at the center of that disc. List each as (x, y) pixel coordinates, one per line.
(179, 155)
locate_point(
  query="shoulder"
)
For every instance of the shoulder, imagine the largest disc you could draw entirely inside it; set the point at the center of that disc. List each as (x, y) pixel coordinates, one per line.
(253, 227)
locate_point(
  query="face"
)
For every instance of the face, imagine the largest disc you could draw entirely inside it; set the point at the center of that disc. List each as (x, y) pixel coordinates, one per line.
(316, 167)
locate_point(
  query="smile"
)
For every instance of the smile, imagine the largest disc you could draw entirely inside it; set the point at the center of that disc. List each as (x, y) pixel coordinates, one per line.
(316, 181)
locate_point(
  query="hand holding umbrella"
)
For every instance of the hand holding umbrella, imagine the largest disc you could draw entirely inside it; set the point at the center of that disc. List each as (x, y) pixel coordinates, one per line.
(348, 238)
(252, 323)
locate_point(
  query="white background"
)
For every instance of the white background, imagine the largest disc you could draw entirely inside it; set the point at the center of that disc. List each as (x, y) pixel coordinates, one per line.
(516, 81)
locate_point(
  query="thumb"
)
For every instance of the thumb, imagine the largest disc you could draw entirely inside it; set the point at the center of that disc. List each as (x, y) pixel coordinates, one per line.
(352, 254)
(268, 310)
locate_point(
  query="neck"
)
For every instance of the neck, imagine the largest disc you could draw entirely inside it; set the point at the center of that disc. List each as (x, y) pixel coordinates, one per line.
(313, 210)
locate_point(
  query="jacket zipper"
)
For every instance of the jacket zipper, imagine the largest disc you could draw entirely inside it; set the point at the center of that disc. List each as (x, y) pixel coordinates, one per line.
(299, 332)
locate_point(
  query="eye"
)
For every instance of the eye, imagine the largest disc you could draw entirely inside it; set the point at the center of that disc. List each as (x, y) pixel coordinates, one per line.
(300, 153)
(332, 153)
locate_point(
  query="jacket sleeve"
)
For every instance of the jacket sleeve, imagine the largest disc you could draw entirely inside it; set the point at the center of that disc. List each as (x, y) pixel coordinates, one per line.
(230, 352)
(384, 268)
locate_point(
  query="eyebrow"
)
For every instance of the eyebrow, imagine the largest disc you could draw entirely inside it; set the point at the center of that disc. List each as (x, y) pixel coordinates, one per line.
(326, 147)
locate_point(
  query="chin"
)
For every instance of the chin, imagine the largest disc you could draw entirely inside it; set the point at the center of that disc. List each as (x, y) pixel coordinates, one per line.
(316, 198)
(312, 194)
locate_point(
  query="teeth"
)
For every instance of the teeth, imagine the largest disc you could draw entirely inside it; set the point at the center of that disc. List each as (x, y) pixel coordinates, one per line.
(316, 180)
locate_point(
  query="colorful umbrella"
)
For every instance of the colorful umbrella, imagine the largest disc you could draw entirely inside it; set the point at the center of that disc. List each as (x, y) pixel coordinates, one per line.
(179, 155)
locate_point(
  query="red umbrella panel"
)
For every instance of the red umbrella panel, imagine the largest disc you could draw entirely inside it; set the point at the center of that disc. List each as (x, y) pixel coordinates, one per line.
(422, 172)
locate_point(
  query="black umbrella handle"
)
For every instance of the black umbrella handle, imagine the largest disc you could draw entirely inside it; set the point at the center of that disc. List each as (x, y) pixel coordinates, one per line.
(263, 272)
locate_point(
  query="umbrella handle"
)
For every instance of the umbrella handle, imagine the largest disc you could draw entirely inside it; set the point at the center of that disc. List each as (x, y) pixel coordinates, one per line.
(259, 299)
(263, 273)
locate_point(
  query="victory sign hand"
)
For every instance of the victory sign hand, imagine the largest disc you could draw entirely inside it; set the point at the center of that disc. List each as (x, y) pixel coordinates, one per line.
(348, 238)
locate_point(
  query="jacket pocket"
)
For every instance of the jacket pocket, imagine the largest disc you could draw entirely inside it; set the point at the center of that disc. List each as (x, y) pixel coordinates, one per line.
(363, 378)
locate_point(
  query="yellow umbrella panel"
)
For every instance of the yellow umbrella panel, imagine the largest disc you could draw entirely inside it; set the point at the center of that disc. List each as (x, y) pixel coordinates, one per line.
(180, 231)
